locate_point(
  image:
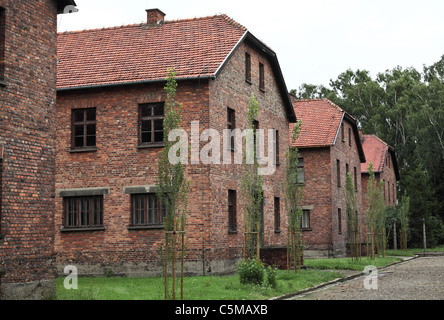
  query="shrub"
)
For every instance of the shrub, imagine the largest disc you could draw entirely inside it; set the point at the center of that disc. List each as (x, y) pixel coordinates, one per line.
(271, 276)
(251, 271)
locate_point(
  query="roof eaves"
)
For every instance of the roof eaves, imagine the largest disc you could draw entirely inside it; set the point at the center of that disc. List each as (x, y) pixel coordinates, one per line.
(339, 127)
(131, 83)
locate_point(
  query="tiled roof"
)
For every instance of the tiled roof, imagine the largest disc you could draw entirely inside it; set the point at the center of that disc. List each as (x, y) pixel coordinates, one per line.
(320, 122)
(375, 152)
(139, 53)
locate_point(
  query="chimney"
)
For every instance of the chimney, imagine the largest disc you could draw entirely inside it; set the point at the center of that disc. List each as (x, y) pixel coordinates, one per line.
(155, 16)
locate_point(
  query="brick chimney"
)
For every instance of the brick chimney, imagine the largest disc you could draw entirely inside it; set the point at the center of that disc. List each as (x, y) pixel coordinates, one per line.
(155, 16)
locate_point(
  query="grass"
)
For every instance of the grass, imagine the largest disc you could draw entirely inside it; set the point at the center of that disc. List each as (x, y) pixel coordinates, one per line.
(195, 288)
(224, 287)
(348, 264)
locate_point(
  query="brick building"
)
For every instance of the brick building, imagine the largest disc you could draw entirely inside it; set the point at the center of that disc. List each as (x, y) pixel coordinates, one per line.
(109, 132)
(385, 166)
(329, 147)
(28, 49)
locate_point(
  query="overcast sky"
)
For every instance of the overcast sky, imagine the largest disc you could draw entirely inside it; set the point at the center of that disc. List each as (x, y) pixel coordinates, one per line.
(315, 40)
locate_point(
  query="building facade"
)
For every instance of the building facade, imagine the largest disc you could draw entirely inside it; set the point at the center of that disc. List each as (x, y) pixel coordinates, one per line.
(385, 166)
(28, 55)
(109, 133)
(329, 148)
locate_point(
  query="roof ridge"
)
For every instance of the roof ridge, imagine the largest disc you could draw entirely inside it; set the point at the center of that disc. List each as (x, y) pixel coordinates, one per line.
(142, 24)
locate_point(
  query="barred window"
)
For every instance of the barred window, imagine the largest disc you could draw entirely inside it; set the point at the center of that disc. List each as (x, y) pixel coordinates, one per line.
(146, 210)
(83, 212)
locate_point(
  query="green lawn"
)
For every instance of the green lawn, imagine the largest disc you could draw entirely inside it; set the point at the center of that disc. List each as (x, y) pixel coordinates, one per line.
(195, 288)
(223, 287)
(348, 264)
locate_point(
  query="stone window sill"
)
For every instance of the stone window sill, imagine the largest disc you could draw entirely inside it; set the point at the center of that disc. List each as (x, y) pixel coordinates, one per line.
(84, 150)
(67, 230)
(154, 227)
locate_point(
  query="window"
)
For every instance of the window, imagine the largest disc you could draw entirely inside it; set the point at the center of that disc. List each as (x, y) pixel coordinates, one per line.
(2, 43)
(276, 144)
(83, 212)
(231, 125)
(261, 77)
(255, 128)
(338, 172)
(342, 132)
(349, 137)
(339, 221)
(247, 67)
(346, 171)
(84, 128)
(356, 178)
(305, 223)
(301, 174)
(232, 219)
(277, 215)
(388, 190)
(151, 117)
(146, 210)
(383, 183)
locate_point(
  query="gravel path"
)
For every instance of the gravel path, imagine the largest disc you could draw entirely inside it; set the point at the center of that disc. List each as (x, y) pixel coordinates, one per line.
(417, 279)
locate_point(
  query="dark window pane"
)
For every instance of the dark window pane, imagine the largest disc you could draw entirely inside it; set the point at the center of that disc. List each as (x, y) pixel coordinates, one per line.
(146, 111)
(146, 126)
(158, 125)
(146, 137)
(91, 114)
(78, 142)
(158, 136)
(79, 115)
(91, 130)
(78, 131)
(91, 141)
(159, 110)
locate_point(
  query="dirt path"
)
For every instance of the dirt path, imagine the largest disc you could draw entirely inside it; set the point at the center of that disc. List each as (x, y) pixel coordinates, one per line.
(418, 279)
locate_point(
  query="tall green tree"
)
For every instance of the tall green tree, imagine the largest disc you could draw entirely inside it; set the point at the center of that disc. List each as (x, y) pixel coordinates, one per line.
(405, 108)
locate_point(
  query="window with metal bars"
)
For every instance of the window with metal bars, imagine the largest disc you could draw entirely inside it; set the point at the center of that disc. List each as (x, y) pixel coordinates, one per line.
(146, 210)
(151, 116)
(83, 212)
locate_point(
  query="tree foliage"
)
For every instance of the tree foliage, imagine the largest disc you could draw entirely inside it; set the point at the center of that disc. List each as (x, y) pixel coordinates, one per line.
(405, 108)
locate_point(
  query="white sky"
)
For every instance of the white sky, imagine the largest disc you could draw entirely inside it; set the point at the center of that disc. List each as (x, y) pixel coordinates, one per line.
(315, 40)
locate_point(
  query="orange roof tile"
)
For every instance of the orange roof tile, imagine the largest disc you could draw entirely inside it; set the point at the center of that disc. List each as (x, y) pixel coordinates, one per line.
(141, 52)
(320, 122)
(375, 151)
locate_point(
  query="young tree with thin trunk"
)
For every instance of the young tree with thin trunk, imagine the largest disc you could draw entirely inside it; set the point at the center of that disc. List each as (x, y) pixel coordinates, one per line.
(172, 188)
(352, 214)
(251, 186)
(293, 188)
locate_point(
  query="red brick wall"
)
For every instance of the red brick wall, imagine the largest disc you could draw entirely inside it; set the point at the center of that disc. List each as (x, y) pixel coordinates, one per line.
(271, 115)
(27, 121)
(118, 163)
(347, 155)
(317, 194)
(323, 197)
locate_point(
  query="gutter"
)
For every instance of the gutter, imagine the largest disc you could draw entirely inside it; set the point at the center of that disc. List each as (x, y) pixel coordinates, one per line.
(132, 83)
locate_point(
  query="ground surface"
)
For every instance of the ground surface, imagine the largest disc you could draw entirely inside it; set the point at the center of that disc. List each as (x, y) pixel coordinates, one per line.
(417, 279)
